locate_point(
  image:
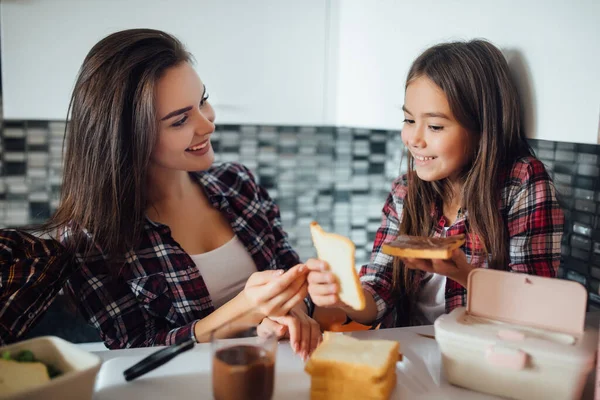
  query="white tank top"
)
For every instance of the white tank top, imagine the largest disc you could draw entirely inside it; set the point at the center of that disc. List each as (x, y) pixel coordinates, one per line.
(431, 300)
(225, 270)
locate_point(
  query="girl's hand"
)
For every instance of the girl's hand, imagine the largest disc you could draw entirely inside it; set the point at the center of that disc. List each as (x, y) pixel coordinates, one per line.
(304, 332)
(275, 293)
(322, 285)
(456, 268)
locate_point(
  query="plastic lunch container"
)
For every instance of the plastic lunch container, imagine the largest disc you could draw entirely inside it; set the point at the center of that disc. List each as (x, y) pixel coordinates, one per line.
(520, 336)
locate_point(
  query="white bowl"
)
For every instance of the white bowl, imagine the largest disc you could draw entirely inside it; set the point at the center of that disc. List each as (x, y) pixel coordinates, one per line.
(78, 369)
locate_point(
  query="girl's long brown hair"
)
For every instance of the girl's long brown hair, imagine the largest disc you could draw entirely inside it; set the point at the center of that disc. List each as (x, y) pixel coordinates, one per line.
(110, 138)
(476, 79)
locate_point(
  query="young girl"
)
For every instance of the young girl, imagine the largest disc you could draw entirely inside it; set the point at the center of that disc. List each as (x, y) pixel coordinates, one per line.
(169, 246)
(470, 171)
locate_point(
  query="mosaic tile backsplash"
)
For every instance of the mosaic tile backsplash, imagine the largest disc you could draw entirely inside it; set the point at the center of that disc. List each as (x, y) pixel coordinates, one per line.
(337, 176)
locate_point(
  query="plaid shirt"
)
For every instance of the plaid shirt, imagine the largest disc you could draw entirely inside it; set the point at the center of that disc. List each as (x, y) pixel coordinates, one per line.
(159, 294)
(32, 272)
(534, 221)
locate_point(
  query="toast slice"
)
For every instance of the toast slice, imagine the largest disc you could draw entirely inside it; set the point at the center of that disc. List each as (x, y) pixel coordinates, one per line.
(328, 389)
(423, 247)
(343, 367)
(338, 251)
(361, 388)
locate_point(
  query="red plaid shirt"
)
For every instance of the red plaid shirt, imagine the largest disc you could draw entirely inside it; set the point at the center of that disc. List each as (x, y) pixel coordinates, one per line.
(534, 221)
(32, 271)
(159, 294)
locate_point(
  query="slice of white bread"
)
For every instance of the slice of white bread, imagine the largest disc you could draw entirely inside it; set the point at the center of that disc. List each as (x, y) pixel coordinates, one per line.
(344, 357)
(346, 368)
(355, 388)
(423, 247)
(332, 395)
(338, 251)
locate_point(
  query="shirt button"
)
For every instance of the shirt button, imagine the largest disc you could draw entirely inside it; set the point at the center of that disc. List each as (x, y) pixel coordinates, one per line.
(31, 315)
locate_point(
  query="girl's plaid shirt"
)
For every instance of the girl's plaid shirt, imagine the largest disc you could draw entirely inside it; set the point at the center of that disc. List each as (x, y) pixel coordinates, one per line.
(534, 222)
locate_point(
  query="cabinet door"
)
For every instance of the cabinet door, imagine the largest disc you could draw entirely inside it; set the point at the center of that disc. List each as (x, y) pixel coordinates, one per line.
(548, 46)
(263, 61)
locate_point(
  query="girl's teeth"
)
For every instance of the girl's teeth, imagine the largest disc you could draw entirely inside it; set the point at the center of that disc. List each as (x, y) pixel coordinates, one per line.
(199, 146)
(424, 158)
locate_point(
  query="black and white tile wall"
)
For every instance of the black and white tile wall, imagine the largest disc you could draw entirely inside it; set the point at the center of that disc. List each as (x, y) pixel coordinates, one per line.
(337, 176)
(576, 173)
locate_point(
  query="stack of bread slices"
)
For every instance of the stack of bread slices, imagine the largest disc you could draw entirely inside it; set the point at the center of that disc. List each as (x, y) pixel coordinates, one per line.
(346, 368)
(343, 367)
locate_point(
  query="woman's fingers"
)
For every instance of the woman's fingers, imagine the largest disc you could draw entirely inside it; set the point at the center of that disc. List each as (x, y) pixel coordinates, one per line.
(281, 283)
(266, 285)
(293, 294)
(295, 330)
(305, 338)
(269, 327)
(294, 300)
(315, 335)
(304, 332)
(263, 277)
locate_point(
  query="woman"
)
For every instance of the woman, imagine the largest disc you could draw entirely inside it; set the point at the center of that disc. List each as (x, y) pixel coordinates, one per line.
(169, 246)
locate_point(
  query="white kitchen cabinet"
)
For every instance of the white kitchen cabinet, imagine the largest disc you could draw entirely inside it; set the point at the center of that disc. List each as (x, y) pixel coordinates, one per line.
(315, 62)
(263, 61)
(552, 47)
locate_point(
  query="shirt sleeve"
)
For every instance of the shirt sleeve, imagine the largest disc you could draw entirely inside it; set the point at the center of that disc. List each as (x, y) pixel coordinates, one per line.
(535, 223)
(32, 273)
(377, 276)
(134, 313)
(124, 317)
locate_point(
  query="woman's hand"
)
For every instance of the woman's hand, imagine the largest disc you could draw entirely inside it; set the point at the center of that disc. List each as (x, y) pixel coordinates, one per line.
(275, 293)
(456, 268)
(303, 331)
(322, 285)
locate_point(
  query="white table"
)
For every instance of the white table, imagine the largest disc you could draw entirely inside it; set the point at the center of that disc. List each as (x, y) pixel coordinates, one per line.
(189, 375)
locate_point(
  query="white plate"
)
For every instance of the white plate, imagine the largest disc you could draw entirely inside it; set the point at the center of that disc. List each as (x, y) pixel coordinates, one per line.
(189, 375)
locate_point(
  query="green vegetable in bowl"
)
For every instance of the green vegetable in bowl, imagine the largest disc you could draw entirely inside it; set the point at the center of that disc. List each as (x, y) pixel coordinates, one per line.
(26, 356)
(53, 372)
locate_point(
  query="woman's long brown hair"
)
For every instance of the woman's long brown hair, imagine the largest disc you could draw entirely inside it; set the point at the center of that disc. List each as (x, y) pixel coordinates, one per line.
(110, 138)
(476, 79)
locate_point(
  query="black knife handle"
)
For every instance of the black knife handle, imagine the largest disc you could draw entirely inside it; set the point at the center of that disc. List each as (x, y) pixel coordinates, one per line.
(157, 359)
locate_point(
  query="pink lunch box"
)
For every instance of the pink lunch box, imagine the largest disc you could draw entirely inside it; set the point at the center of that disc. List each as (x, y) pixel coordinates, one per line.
(520, 337)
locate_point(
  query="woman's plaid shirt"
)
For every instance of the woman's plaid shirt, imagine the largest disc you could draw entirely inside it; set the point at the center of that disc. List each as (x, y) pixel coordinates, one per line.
(158, 295)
